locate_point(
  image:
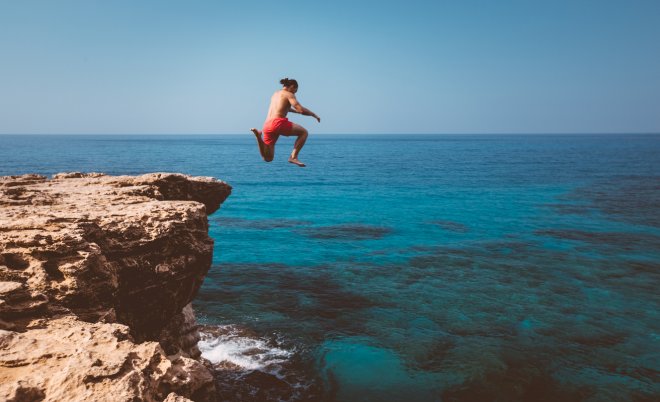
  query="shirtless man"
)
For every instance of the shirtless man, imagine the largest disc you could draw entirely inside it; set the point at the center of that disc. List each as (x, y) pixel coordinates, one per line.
(281, 103)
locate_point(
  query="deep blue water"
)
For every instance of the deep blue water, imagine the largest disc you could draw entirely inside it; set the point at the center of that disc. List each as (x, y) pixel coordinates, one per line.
(417, 268)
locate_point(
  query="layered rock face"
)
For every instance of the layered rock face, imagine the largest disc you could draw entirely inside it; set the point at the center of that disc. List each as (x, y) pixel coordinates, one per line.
(96, 278)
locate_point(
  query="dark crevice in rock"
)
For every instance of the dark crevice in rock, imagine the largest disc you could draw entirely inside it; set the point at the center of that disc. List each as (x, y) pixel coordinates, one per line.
(14, 261)
(28, 394)
(53, 271)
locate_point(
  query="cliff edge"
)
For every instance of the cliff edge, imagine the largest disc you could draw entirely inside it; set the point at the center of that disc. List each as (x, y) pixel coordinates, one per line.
(97, 274)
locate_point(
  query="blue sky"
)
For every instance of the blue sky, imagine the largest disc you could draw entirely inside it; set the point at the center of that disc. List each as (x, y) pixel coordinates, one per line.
(363, 66)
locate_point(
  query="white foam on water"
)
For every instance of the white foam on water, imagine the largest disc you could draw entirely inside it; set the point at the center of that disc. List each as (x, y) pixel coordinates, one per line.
(247, 353)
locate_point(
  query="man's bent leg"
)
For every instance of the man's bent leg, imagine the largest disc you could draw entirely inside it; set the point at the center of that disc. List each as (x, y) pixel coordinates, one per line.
(300, 132)
(267, 152)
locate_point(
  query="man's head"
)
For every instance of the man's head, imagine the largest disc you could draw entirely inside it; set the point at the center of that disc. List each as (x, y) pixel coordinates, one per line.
(290, 85)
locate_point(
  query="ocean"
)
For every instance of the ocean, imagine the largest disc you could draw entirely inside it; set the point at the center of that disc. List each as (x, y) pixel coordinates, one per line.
(415, 267)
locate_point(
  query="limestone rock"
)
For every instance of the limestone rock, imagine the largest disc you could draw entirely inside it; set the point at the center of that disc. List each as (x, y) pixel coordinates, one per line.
(181, 334)
(176, 398)
(94, 250)
(91, 243)
(70, 360)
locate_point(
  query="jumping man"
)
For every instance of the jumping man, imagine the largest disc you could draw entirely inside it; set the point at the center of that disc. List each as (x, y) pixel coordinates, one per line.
(281, 103)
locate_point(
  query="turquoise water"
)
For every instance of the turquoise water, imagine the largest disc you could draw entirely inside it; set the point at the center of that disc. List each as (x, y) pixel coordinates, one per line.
(420, 268)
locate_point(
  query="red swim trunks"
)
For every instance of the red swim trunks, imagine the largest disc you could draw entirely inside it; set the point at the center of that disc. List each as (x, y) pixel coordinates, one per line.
(273, 128)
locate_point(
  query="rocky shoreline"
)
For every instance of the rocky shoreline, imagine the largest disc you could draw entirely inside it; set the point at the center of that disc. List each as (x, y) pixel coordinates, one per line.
(97, 274)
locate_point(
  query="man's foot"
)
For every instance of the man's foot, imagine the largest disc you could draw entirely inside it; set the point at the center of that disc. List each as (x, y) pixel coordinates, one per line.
(256, 132)
(295, 161)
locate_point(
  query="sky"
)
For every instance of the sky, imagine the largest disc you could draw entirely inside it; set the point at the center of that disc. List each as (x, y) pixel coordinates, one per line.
(395, 67)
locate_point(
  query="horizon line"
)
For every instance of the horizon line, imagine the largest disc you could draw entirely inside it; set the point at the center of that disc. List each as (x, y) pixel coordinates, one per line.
(401, 134)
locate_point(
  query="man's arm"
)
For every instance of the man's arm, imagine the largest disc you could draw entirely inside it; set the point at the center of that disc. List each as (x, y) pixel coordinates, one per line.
(305, 112)
(296, 107)
(308, 112)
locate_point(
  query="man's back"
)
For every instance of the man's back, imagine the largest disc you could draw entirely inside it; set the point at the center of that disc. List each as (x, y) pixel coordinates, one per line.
(279, 104)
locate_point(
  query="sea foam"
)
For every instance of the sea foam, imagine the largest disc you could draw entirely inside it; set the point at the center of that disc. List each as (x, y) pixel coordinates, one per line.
(230, 344)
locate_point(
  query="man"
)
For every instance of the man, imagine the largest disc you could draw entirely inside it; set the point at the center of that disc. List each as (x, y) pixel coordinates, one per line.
(281, 103)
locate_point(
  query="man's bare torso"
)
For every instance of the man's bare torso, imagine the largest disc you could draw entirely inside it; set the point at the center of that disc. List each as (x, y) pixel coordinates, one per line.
(279, 104)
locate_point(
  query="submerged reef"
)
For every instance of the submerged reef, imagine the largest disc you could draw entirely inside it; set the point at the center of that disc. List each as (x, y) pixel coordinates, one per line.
(347, 232)
(97, 274)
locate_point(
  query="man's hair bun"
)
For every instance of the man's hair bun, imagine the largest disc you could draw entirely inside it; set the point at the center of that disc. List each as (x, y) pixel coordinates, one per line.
(288, 82)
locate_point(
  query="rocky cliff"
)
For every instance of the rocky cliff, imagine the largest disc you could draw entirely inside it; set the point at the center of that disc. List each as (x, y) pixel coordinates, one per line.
(97, 274)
